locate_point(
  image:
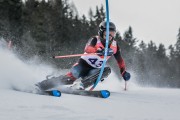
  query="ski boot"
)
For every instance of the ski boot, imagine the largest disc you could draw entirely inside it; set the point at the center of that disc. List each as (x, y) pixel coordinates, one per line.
(77, 86)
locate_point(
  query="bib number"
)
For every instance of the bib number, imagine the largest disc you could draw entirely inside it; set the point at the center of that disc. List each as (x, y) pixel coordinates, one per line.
(94, 61)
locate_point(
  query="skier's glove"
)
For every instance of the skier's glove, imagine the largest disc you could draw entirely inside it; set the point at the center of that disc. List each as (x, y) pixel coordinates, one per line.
(101, 52)
(126, 76)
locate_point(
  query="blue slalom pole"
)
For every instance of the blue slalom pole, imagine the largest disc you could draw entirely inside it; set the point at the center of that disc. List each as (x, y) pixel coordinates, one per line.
(106, 47)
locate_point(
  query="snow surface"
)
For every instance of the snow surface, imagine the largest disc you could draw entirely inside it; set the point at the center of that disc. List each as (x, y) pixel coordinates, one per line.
(135, 104)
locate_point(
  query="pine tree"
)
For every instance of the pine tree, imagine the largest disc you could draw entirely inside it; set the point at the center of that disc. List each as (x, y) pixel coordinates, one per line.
(10, 20)
(161, 52)
(118, 36)
(15, 13)
(99, 15)
(177, 45)
(141, 63)
(172, 52)
(92, 24)
(152, 48)
(177, 59)
(142, 46)
(129, 50)
(4, 19)
(128, 37)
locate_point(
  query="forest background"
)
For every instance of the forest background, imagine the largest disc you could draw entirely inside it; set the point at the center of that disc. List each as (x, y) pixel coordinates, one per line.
(46, 28)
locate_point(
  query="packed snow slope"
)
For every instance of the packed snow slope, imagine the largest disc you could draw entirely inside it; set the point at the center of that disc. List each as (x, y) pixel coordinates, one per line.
(136, 103)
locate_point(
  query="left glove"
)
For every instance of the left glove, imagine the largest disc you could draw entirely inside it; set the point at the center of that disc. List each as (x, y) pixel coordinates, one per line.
(126, 76)
(101, 52)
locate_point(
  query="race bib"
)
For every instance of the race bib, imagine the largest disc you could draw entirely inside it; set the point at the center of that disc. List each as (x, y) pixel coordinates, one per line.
(93, 60)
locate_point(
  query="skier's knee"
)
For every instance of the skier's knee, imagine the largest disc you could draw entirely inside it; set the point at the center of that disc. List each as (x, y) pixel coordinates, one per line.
(75, 72)
(71, 76)
(106, 72)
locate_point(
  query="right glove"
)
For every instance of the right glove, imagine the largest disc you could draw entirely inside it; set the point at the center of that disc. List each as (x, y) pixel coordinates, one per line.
(126, 76)
(101, 52)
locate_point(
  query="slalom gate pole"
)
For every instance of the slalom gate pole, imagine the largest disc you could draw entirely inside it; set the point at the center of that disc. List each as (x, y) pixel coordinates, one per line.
(75, 55)
(106, 47)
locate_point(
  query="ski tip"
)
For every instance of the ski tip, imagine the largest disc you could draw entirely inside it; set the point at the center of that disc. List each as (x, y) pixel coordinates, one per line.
(105, 93)
(56, 93)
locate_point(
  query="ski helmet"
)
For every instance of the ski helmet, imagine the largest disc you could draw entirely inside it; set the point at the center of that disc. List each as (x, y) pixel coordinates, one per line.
(102, 28)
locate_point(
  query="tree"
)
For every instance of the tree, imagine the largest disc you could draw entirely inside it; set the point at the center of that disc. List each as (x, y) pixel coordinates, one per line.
(177, 58)
(152, 48)
(161, 52)
(10, 23)
(92, 24)
(128, 37)
(15, 13)
(4, 21)
(172, 52)
(99, 15)
(142, 46)
(177, 45)
(128, 46)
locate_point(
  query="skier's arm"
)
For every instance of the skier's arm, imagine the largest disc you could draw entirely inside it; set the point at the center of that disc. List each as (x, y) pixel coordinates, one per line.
(120, 60)
(90, 46)
(121, 64)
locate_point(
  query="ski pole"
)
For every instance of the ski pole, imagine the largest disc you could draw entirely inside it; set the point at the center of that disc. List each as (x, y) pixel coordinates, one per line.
(75, 55)
(125, 87)
(9, 44)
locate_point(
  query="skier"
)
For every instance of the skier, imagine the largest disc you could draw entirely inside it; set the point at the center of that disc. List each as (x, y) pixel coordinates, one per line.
(88, 67)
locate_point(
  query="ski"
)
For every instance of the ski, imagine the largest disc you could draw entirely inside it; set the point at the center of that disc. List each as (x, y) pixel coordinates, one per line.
(97, 93)
(58, 92)
(55, 93)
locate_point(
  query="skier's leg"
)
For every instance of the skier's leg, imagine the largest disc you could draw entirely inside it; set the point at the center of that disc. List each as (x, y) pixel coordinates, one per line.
(78, 71)
(93, 75)
(55, 82)
(67, 79)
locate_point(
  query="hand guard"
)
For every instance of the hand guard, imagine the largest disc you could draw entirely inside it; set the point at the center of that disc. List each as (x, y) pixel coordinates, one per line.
(101, 52)
(126, 76)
